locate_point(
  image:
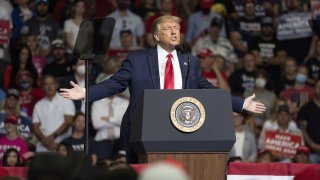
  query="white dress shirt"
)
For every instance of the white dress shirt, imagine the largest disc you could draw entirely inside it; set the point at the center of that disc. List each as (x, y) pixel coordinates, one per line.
(162, 60)
(108, 129)
(51, 115)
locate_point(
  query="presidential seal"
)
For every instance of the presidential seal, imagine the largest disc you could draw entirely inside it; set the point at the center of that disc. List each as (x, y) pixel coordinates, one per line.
(187, 114)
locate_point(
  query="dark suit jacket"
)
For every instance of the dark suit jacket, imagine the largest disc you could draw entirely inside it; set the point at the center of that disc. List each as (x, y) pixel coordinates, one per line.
(140, 71)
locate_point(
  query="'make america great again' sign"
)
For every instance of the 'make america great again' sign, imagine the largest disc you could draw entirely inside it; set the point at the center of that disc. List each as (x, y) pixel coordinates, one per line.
(282, 144)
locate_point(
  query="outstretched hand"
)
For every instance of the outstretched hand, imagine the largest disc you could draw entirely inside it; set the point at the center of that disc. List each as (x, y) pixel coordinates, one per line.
(75, 93)
(253, 106)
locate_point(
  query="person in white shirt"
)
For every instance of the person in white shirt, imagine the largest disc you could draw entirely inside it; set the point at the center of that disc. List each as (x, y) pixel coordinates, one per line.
(107, 116)
(52, 116)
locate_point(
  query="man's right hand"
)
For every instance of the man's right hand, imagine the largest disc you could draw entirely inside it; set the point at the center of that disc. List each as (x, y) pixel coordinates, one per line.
(74, 93)
(49, 143)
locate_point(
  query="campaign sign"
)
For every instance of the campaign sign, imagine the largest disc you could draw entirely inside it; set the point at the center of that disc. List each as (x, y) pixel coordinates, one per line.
(294, 26)
(282, 144)
(4, 32)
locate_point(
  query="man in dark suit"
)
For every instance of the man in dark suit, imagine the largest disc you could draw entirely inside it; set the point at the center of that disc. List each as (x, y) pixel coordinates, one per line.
(161, 67)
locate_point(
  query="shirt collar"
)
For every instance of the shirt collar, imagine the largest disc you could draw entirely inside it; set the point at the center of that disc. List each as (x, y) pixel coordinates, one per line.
(54, 97)
(163, 53)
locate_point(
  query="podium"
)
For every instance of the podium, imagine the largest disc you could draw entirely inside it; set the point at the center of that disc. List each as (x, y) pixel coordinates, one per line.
(204, 151)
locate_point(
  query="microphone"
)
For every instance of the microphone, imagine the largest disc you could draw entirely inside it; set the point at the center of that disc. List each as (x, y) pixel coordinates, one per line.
(183, 49)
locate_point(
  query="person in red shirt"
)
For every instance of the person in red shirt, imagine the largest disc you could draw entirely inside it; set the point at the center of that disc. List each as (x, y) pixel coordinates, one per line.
(167, 8)
(12, 139)
(28, 93)
(212, 68)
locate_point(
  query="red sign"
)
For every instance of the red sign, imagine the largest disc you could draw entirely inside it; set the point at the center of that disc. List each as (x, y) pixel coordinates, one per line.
(282, 144)
(4, 32)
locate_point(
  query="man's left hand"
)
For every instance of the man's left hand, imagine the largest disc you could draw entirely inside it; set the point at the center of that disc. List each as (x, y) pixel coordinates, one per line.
(253, 106)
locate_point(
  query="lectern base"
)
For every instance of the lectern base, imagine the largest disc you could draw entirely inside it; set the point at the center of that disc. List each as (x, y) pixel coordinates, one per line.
(200, 166)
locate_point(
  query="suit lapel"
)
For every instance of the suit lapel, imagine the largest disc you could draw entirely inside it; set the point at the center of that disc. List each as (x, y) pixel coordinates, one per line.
(183, 67)
(154, 67)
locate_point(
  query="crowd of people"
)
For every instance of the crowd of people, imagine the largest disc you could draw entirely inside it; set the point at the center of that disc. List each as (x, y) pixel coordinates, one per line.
(244, 46)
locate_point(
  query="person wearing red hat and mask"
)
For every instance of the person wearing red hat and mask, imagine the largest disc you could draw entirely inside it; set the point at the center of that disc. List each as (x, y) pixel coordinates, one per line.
(212, 68)
(12, 139)
(28, 93)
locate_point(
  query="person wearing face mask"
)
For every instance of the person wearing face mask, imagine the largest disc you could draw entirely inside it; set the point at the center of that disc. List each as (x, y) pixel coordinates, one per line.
(78, 76)
(300, 93)
(308, 119)
(126, 20)
(29, 94)
(263, 95)
(199, 22)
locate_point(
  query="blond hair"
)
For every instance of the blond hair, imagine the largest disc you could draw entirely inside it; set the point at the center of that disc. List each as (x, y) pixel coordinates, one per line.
(159, 20)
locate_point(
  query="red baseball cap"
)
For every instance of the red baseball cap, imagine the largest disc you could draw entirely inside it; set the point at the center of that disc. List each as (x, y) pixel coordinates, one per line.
(12, 119)
(303, 149)
(206, 4)
(205, 53)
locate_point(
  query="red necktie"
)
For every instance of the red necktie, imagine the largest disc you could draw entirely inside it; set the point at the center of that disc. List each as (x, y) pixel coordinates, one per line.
(169, 74)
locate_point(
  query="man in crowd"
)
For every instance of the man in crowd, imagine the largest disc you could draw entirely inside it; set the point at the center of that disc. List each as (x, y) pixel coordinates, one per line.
(198, 22)
(267, 50)
(126, 20)
(43, 26)
(60, 67)
(216, 43)
(52, 116)
(308, 118)
(242, 80)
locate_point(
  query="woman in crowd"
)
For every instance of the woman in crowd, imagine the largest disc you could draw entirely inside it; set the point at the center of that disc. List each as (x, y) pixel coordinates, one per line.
(22, 61)
(71, 26)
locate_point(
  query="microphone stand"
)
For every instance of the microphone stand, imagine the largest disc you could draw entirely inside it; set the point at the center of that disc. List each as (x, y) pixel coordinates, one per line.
(188, 68)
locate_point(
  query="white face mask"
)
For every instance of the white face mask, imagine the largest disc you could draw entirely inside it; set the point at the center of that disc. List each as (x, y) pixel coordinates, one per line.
(81, 70)
(260, 82)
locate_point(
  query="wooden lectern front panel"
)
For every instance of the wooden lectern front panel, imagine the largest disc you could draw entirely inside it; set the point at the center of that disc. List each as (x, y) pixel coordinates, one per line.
(200, 166)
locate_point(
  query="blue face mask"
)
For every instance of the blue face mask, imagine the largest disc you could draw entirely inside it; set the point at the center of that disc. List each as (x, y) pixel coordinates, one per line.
(301, 78)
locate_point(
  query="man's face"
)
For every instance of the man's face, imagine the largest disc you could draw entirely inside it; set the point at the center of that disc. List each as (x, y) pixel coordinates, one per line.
(79, 123)
(214, 31)
(58, 53)
(42, 9)
(267, 30)
(168, 34)
(50, 86)
(126, 40)
(249, 9)
(290, 67)
(283, 118)
(167, 5)
(249, 62)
